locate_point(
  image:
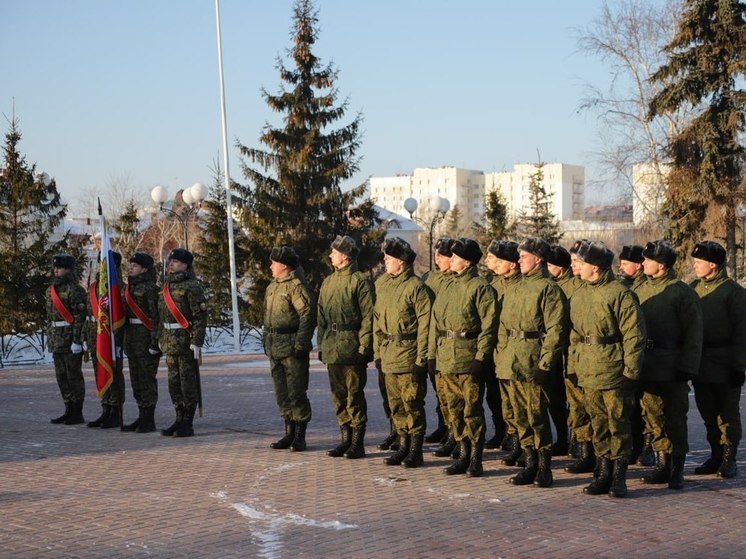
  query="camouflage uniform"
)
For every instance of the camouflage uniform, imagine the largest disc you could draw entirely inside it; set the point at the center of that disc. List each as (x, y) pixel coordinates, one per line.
(60, 336)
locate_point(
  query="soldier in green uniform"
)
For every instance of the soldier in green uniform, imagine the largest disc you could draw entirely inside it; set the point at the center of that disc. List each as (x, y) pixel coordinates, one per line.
(182, 311)
(141, 339)
(113, 398)
(531, 341)
(717, 388)
(462, 339)
(673, 319)
(631, 275)
(345, 338)
(66, 315)
(608, 336)
(289, 322)
(502, 260)
(401, 326)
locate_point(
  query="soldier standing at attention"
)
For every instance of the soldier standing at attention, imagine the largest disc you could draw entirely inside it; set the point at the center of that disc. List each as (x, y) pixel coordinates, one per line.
(289, 322)
(532, 339)
(66, 315)
(717, 388)
(345, 338)
(462, 339)
(673, 319)
(141, 339)
(181, 333)
(401, 328)
(608, 335)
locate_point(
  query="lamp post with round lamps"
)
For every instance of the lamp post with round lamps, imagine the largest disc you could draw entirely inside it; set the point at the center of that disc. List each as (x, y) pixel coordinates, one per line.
(192, 198)
(439, 206)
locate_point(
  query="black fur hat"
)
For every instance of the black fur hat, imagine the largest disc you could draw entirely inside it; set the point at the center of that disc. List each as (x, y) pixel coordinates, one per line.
(182, 255)
(64, 261)
(660, 251)
(536, 246)
(346, 245)
(399, 248)
(504, 250)
(285, 255)
(710, 251)
(632, 253)
(443, 246)
(558, 256)
(596, 253)
(143, 259)
(468, 249)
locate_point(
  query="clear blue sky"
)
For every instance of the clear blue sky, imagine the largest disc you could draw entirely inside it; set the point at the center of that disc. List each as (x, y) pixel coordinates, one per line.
(114, 90)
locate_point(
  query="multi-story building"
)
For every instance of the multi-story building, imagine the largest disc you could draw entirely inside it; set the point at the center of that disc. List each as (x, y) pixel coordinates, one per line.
(648, 192)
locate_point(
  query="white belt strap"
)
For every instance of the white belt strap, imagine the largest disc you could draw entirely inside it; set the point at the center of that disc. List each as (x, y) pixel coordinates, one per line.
(60, 323)
(135, 321)
(171, 325)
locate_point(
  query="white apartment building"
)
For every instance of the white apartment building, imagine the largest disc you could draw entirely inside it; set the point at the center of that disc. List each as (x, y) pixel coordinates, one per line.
(648, 193)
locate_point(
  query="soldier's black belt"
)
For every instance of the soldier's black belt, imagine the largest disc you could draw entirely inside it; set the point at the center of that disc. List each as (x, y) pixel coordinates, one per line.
(523, 335)
(453, 335)
(655, 344)
(273, 330)
(600, 340)
(400, 337)
(337, 327)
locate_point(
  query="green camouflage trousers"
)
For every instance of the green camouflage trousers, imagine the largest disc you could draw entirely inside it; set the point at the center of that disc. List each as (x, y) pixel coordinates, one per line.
(719, 406)
(68, 368)
(384, 395)
(182, 380)
(441, 395)
(507, 407)
(578, 419)
(290, 379)
(462, 396)
(347, 383)
(406, 395)
(143, 371)
(530, 409)
(664, 406)
(611, 412)
(114, 396)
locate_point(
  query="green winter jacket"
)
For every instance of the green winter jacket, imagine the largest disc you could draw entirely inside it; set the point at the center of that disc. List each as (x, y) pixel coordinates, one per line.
(401, 322)
(436, 280)
(463, 323)
(137, 338)
(289, 316)
(537, 305)
(724, 317)
(189, 295)
(72, 295)
(673, 320)
(569, 284)
(345, 317)
(606, 308)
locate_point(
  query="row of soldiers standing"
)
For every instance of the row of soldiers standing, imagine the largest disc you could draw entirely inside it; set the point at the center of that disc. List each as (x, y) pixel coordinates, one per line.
(171, 321)
(548, 330)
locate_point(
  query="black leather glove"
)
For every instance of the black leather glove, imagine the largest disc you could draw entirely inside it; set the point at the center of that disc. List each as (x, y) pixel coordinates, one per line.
(320, 359)
(736, 379)
(365, 358)
(420, 370)
(431, 367)
(683, 376)
(542, 377)
(629, 384)
(378, 364)
(476, 368)
(302, 354)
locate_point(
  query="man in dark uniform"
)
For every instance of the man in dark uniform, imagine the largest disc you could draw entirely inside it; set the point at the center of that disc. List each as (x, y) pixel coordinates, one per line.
(289, 322)
(717, 388)
(66, 315)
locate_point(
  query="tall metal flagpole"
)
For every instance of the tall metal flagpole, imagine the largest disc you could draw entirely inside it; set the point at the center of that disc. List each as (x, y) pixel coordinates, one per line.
(228, 203)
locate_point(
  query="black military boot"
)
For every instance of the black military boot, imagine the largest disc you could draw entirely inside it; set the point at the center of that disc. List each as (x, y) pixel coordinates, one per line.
(130, 427)
(676, 479)
(507, 443)
(299, 440)
(389, 440)
(711, 465)
(573, 450)
(618, 487)
(398, 457)
(286, 440)
(512, 458)
(357, 446)
(186, 427)
(105, 412)
(585, 463)
(544, 473)
(440, 431)
(475, 468)
(147, 421)
(75, 417)
(446, 448)
(561, 446)
(528, 474)
(112, 419)
(414, 458)
(461, 464)
(62, 418)
(728, 469)
(647, 455)
(662, 471)
(171, 429)
(601, 484)
(497, 438)
(342, 447)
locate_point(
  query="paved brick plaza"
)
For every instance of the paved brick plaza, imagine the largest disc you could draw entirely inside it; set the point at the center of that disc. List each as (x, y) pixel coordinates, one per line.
(70, 491)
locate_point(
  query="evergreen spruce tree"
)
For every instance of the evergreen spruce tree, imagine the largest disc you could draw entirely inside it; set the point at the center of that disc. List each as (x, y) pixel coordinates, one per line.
(453, 226)
(538, 220)
(126, 229)
(495, 225)
(706, 66)
(295, 197)
(30, 210)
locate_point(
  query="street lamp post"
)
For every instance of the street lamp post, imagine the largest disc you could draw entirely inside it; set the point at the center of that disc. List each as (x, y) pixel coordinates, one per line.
(439, 207)
(192, 198)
